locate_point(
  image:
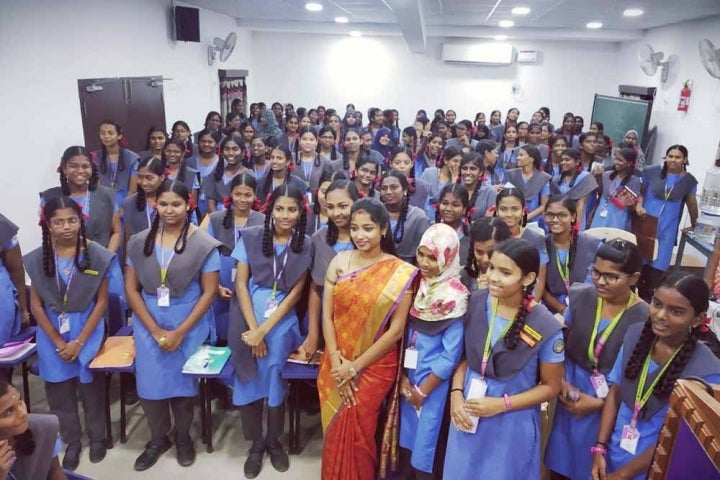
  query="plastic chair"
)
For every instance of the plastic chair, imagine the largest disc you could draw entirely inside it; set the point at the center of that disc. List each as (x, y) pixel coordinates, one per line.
(295, 374)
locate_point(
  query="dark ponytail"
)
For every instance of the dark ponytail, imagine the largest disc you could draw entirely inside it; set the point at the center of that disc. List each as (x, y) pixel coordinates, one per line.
(298, 239)
(156, 167)
(104, 161)
(482, 230)
(182, 191)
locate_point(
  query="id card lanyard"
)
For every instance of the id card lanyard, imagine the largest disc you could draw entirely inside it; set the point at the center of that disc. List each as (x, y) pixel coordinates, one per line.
(642, 398)
(114, 173)
(667, 197)
(63, 314)
(163, 264)
(271, 305)
(595, 348)
(563, 269)
(411, 353)
(491, 327)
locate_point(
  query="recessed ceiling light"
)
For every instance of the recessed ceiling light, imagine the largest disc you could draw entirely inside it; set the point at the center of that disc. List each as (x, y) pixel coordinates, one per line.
(506, 23)
(520, 11)
(341, 20)
(594, 25)
(355, 33)
(633, 12)
(313, 7)
(500, 38)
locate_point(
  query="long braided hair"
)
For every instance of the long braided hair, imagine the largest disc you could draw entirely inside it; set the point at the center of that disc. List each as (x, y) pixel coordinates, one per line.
(154, 166)
(394, 153)
(268, 179)
(459, 192)
(245, 179)
(683, 149)
(475, 159)
(696, 291)
(527, 258)
(77, 151)
(187, 144)
(298, 237)
(182, 191)
(399, 230)
(104, 160)
(515, 193)
(328, 176)
(333, 150)
(48, 252)
(182, 169)
(482, 230)
(331, 237)
(573, 153)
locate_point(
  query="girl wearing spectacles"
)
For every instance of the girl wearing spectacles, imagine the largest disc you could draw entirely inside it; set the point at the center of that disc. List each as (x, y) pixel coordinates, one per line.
(571, 252)
(593, 343)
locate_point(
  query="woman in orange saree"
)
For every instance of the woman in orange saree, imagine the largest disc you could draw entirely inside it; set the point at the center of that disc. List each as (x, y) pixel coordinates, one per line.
(366, 302)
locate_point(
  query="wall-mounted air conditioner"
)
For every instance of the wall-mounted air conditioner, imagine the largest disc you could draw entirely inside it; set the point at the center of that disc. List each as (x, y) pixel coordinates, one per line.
(478, 53)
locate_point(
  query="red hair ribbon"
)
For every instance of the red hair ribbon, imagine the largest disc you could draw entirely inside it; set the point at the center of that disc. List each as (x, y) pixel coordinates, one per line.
(705, 325)
(292, 166)
(42, 219)
(166, 173)
(257, 204)
(362, 194)
(411, 182)
(192, 203)
(469, 214)
(352, 174)
(227, 203)
(124, 142)
(308, 210)
(492, 209)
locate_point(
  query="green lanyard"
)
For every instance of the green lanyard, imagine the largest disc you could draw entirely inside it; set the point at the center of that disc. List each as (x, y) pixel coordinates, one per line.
(564, 270)
(486, 350)
(594, 349)
(164, 266)
(640, 398)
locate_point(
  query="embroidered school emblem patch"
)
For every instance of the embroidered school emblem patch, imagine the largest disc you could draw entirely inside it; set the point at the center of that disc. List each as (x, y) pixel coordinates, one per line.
(559, 346)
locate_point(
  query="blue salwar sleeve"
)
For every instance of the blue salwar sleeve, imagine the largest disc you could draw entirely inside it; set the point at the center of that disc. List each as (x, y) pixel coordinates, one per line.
(615, 375)
(452, 342)
(553, 351)
(240, 253)
(212, 262)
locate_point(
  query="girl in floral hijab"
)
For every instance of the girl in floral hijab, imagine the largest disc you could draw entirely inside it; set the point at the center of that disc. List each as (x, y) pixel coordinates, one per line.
(434, 345)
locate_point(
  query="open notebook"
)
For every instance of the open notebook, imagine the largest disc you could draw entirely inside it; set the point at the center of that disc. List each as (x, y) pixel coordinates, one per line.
(207, 360)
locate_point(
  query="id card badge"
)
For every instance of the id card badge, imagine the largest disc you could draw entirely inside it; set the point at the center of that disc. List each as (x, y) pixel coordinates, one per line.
(629, 439)
(64, 320)
(203, 196)
(604, 212)
(411, 358)
(233, 274)
(163, 296)
(478, 388)
(599, 383)
(270, 307)
(309, 195)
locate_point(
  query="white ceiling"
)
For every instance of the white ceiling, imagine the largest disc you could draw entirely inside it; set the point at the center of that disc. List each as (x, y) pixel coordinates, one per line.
(418, 19)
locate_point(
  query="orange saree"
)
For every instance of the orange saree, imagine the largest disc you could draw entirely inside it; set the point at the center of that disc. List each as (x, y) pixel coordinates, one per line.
(363, 302)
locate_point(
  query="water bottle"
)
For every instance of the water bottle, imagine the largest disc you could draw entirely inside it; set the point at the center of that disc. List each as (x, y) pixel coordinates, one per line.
(707, 228)
(710, 199)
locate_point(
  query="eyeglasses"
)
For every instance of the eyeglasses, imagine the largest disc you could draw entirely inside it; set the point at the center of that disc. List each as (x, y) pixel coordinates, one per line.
(559, 216)
(607, 277)
(60, 223)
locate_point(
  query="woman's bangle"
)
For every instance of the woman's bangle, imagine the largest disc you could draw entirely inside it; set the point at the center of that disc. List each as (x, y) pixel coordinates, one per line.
(420, 392)
(79, 342)
(334, 352)
(508, 405)
(599, 449)
(456, 390)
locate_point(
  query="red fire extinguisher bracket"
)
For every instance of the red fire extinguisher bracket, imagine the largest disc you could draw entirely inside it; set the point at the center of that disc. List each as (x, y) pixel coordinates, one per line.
(685, 93)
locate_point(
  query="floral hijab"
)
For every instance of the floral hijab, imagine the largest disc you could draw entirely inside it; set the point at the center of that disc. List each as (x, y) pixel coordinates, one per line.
(442, 297)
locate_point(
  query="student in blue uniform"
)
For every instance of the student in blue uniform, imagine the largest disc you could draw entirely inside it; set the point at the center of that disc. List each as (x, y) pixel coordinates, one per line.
(593, 343)
(482, 197)
(419, 191)
(433, 147)
(68, 298)
(272, 267)
(510, 208)
(664, 194)
(116, 164)
(488, 151)
(484, 234)
(571, 252)
(674, 343)
(217, 186)
(318, 216)
(615, 202)
(575, 182)
(139, 208)
(240, 212)
(154, 144)
(446, 171)
(529, 177)
(178, 169)
(309, 166)
(366, 176)
(205, 161)
(14, 314)
(407, 222)
(280, 173)
(511, 342)
(181, 131)
(327, 242)
(453, 209)
(434, 345)
(171, 283)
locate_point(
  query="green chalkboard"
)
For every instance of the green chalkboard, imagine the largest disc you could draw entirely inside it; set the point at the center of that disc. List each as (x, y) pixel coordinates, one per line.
(619, 115)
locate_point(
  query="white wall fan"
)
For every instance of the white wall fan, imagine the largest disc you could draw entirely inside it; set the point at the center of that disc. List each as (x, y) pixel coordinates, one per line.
(710, 57)
(650, 60)
(221, 48)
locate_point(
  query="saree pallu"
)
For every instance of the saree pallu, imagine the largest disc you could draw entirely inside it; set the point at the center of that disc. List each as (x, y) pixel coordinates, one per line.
(363, 302)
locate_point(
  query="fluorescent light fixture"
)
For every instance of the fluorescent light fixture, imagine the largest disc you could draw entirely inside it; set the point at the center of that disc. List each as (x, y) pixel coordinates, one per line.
(520, 11)
(506, 23)
(341, 20)
(633, 12)
(313, 7)
(355, 33)
(594, 25)
(500, 38)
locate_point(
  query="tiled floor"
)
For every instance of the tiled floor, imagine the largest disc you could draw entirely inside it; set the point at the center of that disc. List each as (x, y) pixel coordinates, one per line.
(226, 462)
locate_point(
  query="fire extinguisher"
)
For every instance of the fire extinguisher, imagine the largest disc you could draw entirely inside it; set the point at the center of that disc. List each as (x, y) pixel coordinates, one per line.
(685, 93)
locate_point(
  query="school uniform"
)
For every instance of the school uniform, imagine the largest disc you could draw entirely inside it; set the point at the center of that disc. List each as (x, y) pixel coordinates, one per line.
(581, 186)
(422, 162)
(568, 448)
(455, 143)
(506, 445)
(421, 196)
(183, 281)
(10, 316)
(327, 157)
(314, 223)
(311, 174)
(607, 213)
(534, 188)
(703, 363)
(137, 220)
(538, 242)
(484, 199)
(416, 222)
(228, 237)
(217, 190)
(205, 172)
(293, 181)
(431, 176)
(585, 250)
(117, 175)
(191, 178)
(471, 283)
(64, 380)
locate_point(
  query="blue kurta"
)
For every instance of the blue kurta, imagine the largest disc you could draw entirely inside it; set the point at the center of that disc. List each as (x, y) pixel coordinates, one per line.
(10, 318)
(506, 446)
(153, 364)
(606, 213)
(52, 367)
(668, 222)
(568, 448)
(281, 341)
(438, 354)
